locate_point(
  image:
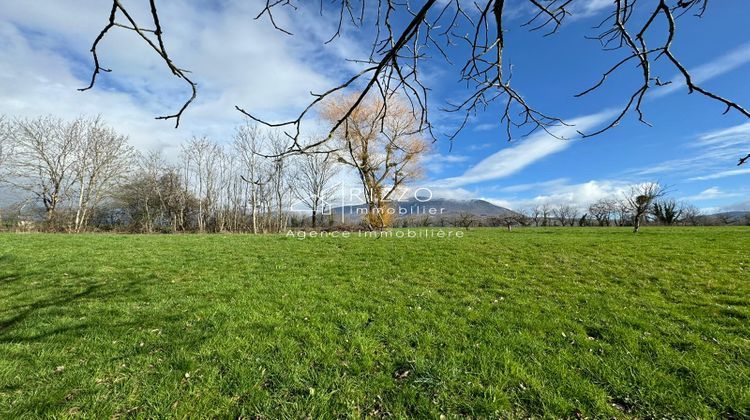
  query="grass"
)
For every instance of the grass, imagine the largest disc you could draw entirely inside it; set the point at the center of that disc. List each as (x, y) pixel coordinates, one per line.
(557, 322)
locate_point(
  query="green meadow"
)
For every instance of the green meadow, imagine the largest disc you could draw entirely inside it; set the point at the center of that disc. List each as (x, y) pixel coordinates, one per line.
(579, 322)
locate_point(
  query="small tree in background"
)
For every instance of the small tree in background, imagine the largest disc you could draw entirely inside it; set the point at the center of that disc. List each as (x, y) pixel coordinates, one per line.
(691, 215)
(313, 176)
(602, 210)
(566, 213)
(465, 220)
(666, 212)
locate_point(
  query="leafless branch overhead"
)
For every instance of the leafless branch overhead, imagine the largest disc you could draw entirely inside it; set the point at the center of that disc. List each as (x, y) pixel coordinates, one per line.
(148, 36)
(407, 33)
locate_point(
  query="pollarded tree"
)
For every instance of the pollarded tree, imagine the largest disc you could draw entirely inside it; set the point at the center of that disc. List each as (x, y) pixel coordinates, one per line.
(640, 198)
(406, 35)
(385, 150)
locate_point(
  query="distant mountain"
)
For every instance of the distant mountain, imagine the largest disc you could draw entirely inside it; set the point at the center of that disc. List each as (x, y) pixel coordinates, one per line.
(433, 207)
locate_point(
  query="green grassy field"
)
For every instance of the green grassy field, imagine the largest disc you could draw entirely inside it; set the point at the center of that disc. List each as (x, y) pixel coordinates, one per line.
(558, 322)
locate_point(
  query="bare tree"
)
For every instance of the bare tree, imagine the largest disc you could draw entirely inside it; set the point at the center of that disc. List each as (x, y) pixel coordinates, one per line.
(623, 212)
(535, 214)
(691, 215)
(513, 219)
(645, 31)
(385, 150)
(155, 196)
(566, 214)
(314, 173)
(464, 220)
(640, 198)
(602, 210)
(724, 218)
(546, 212)
(280, 185)
(102, 159)
(5, 145)
(249, 145)
(44, 160)
(201, 157)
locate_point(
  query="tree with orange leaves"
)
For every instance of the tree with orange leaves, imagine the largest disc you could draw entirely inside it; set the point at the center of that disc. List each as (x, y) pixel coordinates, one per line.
(383, 142)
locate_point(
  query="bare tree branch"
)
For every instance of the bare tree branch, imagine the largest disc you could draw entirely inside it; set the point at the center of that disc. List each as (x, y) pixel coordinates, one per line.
(405, 35)
(158, 46)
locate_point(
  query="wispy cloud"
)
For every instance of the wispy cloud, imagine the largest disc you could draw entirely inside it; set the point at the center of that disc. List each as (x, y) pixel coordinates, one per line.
(724, 64)
(544, 185)
(714, 152)
(579, 195)
(436, 162)
(738, 133)
(486, 127)
(721, 174)
(511, 160)
(712, 193)
(591, 8)
(717, 146)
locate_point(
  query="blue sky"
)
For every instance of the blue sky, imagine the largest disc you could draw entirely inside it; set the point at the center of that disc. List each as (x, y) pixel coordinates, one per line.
(238, 61)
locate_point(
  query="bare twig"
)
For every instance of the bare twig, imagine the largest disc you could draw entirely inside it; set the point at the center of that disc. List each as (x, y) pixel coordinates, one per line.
(404, 37)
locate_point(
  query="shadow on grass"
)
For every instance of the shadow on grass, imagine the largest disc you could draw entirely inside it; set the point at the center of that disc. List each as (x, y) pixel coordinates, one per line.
(45, 303)
(51, 296)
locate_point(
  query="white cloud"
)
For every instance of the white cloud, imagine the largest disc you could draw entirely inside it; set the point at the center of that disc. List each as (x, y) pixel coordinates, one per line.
(544, 185)
(523, 153)
(436, 162)
(553, 192)
(712, 193)
(716, 151)
(721, 174)
(486, 127)
(738, 134)
(234, 60)
(579, 195)
(591, 7)
(724, 64)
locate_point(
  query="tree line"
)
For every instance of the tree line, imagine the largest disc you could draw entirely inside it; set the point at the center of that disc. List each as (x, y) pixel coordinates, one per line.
(642, 204)
(81, 175)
